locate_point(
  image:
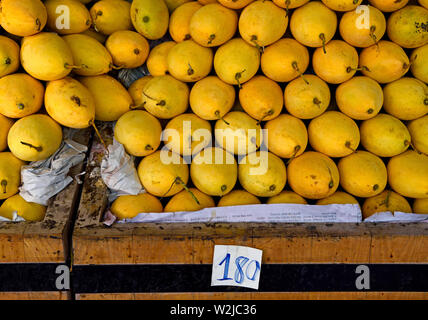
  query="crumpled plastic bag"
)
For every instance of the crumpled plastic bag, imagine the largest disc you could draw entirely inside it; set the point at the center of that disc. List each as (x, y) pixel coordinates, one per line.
(128, 76)
(118, 172)
(15, 218)
(41, 180)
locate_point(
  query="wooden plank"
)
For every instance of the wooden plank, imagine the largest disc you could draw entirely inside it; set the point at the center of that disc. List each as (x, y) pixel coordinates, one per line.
(54, 295)
(102, 245)
(105, 296)
(12, 242)
(259, 296)
(51, 295)
(401, 243)
(281, 243)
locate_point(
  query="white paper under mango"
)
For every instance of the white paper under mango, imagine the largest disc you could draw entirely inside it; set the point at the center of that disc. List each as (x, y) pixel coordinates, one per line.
(268, 213)
(397, 217)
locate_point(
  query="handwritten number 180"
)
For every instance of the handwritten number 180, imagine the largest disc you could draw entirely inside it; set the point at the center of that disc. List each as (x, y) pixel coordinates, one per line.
(240, 263)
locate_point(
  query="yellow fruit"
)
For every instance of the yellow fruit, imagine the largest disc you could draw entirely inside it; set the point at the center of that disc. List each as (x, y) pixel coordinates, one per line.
(334, 134)
(70, 103)
(174, 4)
(388, 5)
(419, 132)
(157, 61)
(423, 3)
(238, 198)
(136, 90)
(139, 132)
(420, 206)
(287, 197)
(165, 97)
(179, 22)
(286, 136)
(101, 38)
(419, 65)
(20, 95)
(238, 133)
(10, 174)
(211, 98)
(338, 64)
(112, 100)
(360, 98)
(5, 125)
(46, 56)
(128, 207)
(307, 97)
(9, 56)
(353, 30)
(150, 18)
(188, 61)
(261, 98)
(236, 62)
(384, 135)
(24, 17)
(362, 174)
(212, 25)
(35, 137)
(111, 16)
(187, 134)
(285, 60)
(406, 98)
(160, 177)
(290, 4)
(235, 4)
(214, 171)
(313, 175)
(128, 49)
(91, 57)
(408, 174)
(384, 62)
(262, 23)
(204, 2)
(342, 5)
(313, 24)
(337, 198)
(30, 211)
(67, 16)
(384, 202)
(184, 201)
(262, 173)
(407, 27)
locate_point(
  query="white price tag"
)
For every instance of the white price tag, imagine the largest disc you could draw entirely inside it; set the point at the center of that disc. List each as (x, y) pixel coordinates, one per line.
(236, 266)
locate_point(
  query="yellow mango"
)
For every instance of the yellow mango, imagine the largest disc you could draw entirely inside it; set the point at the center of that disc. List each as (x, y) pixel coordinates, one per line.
(70, 103)
(150, 18)
(112, 100)
(24, 17)
(111, 16)
(237, 198)
(9, 56)
(20, 95)
(313, 175)
(10, 174)
(35, 137)
(129, 206)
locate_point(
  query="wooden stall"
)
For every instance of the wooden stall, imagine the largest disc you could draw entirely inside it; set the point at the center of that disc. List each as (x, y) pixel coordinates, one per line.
(30, 252)
(173, 261)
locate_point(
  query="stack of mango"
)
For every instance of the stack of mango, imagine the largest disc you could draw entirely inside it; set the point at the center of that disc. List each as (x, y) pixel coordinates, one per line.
(247, 102)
